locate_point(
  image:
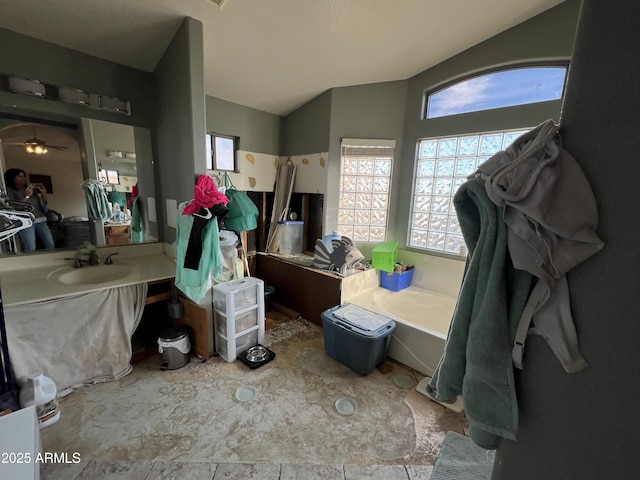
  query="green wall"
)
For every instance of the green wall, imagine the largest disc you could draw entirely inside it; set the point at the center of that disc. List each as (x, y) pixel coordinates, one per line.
(28, 57)
(258, 131)
(180, 124)
(579, 426)
(545, 38)
(364, 111)
(306, 130)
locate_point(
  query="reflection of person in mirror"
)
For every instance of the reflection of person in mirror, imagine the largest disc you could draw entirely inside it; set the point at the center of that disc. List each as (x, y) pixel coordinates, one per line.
(35, 195)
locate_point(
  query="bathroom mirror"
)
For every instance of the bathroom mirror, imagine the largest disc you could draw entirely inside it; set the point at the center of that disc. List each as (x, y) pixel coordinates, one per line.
(77, 151)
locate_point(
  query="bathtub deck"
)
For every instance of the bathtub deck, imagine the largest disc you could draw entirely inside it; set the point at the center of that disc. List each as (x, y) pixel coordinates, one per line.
(422, 323)
(424, 309)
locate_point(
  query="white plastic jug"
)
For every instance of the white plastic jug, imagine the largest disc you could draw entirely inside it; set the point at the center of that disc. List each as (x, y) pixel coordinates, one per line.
(327, 239)
(41, 391)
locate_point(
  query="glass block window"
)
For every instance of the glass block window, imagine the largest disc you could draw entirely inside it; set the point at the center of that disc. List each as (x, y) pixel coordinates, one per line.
(506, 88)
(442, 165)
(365, 186)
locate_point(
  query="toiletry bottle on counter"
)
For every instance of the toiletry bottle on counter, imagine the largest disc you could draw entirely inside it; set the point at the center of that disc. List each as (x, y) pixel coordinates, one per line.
(118, 214)
(41, 391)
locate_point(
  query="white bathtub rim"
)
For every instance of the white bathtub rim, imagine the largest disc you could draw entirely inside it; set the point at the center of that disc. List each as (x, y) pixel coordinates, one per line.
(404, 321)
(363, 300)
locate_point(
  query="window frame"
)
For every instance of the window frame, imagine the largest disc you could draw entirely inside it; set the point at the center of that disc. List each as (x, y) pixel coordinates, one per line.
(477, 74)
(213, 163)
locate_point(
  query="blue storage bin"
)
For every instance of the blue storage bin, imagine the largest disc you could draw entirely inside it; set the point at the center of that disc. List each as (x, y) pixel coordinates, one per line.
(356, 336)
(396, 281)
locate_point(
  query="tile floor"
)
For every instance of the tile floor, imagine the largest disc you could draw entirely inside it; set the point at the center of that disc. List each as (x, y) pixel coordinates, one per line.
(231, 471)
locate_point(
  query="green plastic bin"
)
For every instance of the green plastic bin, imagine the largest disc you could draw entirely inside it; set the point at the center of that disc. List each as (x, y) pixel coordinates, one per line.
(384, 256)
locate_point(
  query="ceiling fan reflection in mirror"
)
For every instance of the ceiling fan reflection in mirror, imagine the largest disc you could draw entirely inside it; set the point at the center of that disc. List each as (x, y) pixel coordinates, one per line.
(37, 146)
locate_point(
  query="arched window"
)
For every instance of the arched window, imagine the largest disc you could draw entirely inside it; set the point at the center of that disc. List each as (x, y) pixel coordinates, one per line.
(505, 88)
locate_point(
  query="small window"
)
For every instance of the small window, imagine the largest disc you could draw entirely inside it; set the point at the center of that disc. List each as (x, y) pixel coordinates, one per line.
(112, 177)
(221, 152)
(506, 88)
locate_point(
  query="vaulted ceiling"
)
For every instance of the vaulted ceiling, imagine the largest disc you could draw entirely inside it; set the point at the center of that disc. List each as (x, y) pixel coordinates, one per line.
(276, 55)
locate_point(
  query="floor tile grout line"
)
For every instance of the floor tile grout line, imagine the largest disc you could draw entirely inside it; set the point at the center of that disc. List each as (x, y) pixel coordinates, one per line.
(217, 465)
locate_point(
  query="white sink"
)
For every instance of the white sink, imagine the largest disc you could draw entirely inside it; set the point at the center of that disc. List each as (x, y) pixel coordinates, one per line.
(92, 274)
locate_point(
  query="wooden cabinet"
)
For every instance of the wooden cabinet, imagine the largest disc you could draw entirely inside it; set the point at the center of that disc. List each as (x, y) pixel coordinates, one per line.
(117, 234)
(159, 290)
(154, 319)
(307, 290)
(198, 319)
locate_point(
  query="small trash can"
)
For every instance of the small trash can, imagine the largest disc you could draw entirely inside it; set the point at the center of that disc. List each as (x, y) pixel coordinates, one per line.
(268, 297)
(174, 346)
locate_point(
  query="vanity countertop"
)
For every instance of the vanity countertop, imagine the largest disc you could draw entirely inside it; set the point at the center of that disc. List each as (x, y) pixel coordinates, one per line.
(25, 279)
(125, 223)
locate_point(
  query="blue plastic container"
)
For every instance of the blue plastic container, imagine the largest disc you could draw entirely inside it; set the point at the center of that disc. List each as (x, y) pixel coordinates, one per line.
(396, 281)
(357, 337)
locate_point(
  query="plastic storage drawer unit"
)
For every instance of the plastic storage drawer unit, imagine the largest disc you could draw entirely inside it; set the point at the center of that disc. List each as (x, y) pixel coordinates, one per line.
(357, 337)
(238, 315)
